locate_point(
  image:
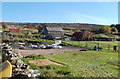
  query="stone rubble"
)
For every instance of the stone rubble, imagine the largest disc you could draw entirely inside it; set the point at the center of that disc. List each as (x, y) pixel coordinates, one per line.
(18, 66)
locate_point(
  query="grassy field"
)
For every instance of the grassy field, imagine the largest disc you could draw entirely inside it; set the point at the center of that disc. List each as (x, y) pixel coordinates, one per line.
(90, 44)
(78, 64)
(89, 64)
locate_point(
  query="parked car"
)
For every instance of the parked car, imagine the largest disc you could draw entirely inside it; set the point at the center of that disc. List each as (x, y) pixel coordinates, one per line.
(50, 46)
(22, 47)
(33, 45)
(42, 46)
(56, 46)
(20, 43)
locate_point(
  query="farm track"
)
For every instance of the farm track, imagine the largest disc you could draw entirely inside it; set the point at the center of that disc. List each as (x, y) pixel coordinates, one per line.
(47, 51)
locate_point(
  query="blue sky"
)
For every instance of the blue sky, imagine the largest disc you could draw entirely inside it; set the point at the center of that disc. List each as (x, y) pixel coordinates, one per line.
(61, 12)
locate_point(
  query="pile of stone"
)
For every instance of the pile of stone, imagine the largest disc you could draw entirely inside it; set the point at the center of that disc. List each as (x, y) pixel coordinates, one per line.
(18, 66)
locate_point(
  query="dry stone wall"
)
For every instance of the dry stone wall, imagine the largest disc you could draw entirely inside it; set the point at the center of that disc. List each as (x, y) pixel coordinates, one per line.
(18, 66)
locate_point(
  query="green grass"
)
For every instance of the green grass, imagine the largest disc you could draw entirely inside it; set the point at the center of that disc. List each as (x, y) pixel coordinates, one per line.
(89, 63)
(78, 64)
(91, 44)
(49, 70)
(28, 39)
(56, 71)
(17, 33)
(32, 57)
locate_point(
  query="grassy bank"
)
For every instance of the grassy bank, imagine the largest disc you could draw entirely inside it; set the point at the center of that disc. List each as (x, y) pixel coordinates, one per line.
(27, 39)
(89, 63)
(78, 64)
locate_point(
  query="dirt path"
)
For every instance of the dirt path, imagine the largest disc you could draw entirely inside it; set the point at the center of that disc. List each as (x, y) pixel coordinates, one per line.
(42, 62)
(46, 51)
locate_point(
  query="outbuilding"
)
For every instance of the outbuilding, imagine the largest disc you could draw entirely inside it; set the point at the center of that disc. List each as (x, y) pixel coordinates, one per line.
(14, 30)
(83, 35)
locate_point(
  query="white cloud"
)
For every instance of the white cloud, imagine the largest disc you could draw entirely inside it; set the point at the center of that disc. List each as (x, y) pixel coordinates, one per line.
(83, 18)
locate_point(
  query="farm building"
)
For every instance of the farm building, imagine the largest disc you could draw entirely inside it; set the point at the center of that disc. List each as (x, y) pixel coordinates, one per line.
(14, 30)
(83, 35)
(52, 32)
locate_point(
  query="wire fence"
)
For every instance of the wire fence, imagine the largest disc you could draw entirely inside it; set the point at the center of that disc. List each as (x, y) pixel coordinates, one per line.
(95, 45)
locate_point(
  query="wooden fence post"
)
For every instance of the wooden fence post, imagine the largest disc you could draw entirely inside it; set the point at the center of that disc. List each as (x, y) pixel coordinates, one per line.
(86, 45)
(98, 46)
(108, 46)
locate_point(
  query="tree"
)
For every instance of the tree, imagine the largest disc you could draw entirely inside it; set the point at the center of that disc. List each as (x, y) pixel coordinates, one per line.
(114, 29)
(117, 26)
(112, 25)
(4, 26)
(105, 29)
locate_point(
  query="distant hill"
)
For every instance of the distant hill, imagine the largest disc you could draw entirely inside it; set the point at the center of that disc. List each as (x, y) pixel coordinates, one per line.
(63, 25)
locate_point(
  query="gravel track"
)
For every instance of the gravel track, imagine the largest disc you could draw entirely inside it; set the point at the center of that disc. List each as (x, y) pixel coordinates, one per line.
(46, 51)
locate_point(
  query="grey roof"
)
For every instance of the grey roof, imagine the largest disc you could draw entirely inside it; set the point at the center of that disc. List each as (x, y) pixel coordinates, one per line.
(54, 29)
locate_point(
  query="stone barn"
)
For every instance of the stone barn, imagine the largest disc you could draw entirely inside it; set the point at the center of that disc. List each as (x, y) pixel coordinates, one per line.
(52, 32)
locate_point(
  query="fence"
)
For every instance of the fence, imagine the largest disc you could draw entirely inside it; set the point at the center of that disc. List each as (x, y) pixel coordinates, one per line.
(104, 46)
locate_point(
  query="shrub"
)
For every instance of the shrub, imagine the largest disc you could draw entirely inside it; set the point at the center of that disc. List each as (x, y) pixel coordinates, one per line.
(32, 57)
(34, 67)
(114, 29)
(36, 57)
(63, 72)
(105, 29)
(59, 70)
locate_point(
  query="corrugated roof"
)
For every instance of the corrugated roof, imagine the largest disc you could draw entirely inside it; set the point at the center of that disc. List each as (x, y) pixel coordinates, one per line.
(54, 29)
